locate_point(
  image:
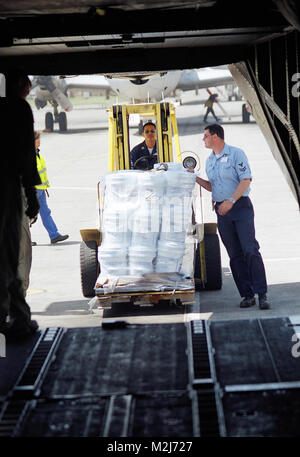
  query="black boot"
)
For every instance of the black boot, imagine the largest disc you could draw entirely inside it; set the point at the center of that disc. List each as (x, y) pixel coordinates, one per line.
(19, 330)
(247, 302)
(263, 301)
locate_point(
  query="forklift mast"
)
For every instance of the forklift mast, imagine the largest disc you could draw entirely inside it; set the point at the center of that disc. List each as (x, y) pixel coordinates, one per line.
(164, 117)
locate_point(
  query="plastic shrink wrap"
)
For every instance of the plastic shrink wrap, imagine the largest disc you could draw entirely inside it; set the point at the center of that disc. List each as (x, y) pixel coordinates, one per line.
(146, 224)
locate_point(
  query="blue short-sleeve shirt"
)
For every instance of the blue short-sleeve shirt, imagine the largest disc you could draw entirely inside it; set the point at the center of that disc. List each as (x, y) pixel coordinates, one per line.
(226, 170)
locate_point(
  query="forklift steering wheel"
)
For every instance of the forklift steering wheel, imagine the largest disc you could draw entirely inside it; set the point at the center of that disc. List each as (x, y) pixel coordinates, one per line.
(140, 165)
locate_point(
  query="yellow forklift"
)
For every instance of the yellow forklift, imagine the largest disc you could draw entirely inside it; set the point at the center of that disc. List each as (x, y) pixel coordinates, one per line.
(208, 272)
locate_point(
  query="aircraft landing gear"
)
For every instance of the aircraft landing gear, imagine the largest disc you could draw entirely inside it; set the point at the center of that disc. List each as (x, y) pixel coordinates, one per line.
(50, 119)
(49, 122)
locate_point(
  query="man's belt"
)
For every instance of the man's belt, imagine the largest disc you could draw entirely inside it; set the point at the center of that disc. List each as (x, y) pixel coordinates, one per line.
(219, 203)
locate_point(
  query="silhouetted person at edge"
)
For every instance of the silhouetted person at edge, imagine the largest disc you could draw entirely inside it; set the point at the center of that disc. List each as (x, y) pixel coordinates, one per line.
(17, 169)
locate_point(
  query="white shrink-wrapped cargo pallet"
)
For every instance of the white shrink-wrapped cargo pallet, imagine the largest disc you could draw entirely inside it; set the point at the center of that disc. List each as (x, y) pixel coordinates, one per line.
(146, 218)
(176, 218)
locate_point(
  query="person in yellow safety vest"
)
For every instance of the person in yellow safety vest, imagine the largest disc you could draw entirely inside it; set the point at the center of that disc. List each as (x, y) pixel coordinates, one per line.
(209, 105)
(45, 211)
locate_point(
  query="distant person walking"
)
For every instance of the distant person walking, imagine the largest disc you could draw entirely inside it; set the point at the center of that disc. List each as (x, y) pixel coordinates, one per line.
(209, 105)
(42, 194)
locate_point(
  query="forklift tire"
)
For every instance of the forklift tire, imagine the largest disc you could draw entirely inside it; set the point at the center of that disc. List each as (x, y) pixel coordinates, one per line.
(49, 122)
(89, 267)
(212, 263)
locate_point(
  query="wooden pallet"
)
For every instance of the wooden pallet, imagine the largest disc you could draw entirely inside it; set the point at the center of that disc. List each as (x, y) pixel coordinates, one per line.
(184, 297)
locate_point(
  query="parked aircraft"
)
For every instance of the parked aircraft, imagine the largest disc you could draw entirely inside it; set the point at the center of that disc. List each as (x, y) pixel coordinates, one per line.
(136, 88)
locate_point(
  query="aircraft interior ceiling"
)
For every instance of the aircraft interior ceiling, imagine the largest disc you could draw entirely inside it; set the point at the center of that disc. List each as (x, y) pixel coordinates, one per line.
(108, 36)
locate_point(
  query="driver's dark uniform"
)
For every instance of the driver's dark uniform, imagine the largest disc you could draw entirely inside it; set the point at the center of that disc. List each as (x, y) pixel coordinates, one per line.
(141, 150)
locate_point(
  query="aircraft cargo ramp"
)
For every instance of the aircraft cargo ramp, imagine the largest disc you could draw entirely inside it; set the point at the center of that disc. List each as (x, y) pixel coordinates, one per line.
(195, 379)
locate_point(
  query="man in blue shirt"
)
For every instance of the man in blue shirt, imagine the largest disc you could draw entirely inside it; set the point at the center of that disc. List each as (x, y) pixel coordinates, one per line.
(229, 177)
(146, 148)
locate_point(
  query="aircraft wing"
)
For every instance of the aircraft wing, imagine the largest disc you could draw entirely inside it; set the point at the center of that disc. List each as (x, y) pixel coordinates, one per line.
(87, 82)
(189, 80)
(204, 78)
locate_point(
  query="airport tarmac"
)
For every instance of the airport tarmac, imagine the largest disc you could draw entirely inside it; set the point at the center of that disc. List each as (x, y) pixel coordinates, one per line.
(76, 161)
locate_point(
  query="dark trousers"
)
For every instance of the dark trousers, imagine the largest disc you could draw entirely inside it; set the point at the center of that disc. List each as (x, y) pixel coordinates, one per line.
(210, 110)
(237, 232)
(12, 301)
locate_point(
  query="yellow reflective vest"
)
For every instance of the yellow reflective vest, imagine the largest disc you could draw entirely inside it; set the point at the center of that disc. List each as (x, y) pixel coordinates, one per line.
(41, 166)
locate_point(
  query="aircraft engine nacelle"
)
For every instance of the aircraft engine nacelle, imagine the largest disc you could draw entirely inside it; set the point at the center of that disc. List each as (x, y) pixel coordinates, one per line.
(61, 99)
(39, 103)
(42, 94)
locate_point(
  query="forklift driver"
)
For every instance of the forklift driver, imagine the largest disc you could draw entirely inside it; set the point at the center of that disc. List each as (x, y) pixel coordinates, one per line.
(144, 155)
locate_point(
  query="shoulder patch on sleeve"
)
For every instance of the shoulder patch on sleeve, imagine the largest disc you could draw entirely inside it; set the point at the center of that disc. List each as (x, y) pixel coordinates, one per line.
(242, 167)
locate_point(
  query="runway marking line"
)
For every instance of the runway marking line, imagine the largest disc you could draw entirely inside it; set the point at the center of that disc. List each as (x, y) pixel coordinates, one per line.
(73, 188)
